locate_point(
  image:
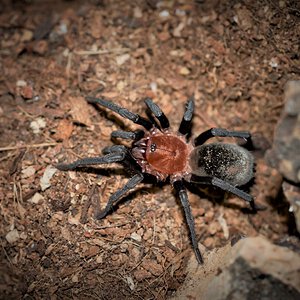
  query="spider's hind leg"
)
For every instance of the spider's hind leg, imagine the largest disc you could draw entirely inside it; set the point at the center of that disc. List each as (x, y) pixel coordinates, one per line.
(220, 132)
(225, 186)
(179, 187)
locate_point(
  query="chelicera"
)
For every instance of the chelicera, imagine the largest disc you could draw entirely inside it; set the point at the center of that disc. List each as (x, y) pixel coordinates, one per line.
(169, 155)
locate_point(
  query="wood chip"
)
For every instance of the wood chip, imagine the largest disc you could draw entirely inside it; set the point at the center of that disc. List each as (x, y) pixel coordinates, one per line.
(80, 110)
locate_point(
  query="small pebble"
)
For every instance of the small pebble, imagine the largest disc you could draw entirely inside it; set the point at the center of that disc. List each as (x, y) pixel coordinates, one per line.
(28, 172)
(36, 199)
(164, 14)
(12, 236)
(136, 237)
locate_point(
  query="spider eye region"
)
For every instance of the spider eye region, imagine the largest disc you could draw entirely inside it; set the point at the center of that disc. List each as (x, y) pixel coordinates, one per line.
(167, 154)
(152, 147)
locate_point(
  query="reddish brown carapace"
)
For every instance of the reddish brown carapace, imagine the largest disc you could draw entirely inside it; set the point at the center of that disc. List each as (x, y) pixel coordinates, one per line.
(163, 154)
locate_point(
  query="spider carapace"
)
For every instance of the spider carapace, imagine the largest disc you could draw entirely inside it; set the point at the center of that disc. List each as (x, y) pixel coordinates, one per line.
(169, 155)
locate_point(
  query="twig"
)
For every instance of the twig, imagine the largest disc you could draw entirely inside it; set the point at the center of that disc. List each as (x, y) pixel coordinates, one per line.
(87, 204)
(97, 52)
(16, 162)
(8, 148)
(111, 226)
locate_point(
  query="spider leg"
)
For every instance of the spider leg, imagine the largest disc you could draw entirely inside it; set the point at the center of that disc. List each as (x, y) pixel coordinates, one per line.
(114, 149)
(220, 132)
(131, 183)
(123, 112)
(179, 187)
(226, 187)
(128, 135)
(158, 113)
(186, 121)
(107, 159)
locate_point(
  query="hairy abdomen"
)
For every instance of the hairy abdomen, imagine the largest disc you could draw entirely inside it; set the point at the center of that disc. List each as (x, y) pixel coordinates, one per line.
(229, 162)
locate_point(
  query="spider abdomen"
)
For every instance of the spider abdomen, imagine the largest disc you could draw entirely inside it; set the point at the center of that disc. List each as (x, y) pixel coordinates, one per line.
(228, 162)
(167, 154)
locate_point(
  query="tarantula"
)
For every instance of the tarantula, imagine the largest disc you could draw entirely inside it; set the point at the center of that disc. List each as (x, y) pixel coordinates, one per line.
(169, 155)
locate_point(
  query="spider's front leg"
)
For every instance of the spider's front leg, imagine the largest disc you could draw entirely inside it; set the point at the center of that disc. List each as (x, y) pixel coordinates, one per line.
(179, 187)
(158, 113)
(123, 112)
(186, 121)
(128, 135)
(89, 161)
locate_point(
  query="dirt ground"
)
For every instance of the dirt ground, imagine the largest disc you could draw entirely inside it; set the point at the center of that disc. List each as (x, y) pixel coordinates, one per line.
(235, 57)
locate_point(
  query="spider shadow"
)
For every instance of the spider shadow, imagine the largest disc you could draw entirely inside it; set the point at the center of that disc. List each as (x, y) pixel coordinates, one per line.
(101, 172)
(131, 196)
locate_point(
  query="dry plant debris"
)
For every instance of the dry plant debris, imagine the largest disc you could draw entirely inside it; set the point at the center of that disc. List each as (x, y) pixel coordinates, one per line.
(234, 58)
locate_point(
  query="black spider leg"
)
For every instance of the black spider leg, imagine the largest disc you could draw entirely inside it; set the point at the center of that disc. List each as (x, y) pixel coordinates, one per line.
(130, 184)
(131, 166)
(157, 112)
(116, 153)
(220, 132)
(114, 149)
(129, 163)
(180, 189)
(107, 159)
(128, 135)
(224, 186)
(123, 112)
(186, 121)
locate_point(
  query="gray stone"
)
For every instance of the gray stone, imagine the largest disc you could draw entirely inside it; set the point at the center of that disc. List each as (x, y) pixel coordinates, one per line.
(285, 153)
(253, 268)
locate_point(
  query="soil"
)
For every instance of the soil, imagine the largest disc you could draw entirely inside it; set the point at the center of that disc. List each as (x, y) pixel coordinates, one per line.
(235, 57)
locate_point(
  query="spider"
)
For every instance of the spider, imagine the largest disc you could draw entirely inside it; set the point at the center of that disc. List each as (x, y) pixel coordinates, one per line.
(169, 155)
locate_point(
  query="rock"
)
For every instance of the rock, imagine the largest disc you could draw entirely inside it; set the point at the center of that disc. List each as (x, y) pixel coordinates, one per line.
(285, 154)
(184, 71)
(38, 124)
(45, 180)
(121, 59)
(253, 268)
(27, 36)
(137, 12)
(130, 282)
(136, 237)
(12, 236)
(36, 199)
(28, 172)
(292, 194)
